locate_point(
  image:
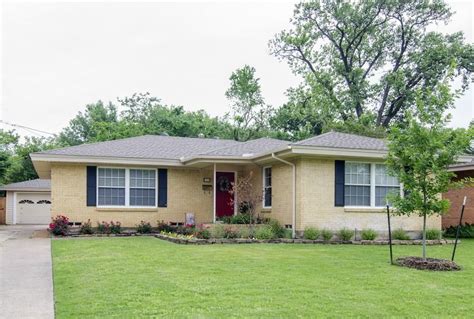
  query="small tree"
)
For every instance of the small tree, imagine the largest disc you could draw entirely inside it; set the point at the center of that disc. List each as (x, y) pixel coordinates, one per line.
(246, 195)
(420, 151)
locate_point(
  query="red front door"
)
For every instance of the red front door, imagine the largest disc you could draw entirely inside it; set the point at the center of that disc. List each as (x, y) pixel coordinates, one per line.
(224, 206)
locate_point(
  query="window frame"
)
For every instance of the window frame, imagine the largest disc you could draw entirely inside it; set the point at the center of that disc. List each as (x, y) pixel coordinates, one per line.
(127, 187)
(265, 187)
(372, 185)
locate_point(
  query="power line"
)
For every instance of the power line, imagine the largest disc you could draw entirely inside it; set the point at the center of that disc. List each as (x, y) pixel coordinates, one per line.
(30, 129)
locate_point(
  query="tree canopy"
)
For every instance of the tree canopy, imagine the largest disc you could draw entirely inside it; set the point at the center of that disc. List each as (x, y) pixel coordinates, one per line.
(364, 60)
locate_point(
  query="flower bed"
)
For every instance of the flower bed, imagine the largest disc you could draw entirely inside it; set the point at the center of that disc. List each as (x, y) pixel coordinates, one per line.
(179, 239)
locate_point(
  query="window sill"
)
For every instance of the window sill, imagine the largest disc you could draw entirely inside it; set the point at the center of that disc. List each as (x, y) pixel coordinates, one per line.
(266, 210)
(361, 209)
(127, 209)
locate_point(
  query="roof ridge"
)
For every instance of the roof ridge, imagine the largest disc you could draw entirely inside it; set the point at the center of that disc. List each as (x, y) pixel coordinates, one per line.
(224, 147)
(312, 138)
(136, 137)
(336, 132)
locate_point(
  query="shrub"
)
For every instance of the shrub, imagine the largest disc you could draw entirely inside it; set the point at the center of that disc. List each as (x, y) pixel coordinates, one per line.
(264, 232)
(185, 230)
(240, 219)
(86, 228)
(288, 233)
(225, 219)
(326, 234)
(217, 231)
(162, 226)
(115, 227)
(246, 232)
(311, 233)
(277, 229)
(433, 234)
(230, 233)
(144, 227)
(202, 233)
(465, 231)
(400, 234)
(59, 225)
(369, 234)
(345, 234)
(103, 228)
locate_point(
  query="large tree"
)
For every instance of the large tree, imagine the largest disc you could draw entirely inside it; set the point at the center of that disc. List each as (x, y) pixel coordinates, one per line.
(249, 112)
(366, 59)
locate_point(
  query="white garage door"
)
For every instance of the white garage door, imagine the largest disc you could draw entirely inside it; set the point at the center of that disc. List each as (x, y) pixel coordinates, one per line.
(33, 208)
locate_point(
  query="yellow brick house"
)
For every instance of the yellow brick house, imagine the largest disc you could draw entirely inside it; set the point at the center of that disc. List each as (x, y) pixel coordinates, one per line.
(333, 180)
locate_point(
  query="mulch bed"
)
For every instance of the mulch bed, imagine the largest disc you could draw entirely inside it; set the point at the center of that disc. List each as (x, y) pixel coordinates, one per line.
(428, 263)
(197, 241)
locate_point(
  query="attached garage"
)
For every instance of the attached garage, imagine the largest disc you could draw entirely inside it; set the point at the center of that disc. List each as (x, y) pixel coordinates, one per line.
(28, 202)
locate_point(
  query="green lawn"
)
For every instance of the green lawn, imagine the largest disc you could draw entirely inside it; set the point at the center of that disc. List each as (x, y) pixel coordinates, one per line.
(147, 277)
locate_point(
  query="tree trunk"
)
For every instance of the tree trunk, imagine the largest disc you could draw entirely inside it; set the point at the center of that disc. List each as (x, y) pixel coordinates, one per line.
(424, 236)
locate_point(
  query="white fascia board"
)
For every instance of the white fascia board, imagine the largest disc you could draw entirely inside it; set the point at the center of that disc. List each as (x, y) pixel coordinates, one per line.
(27, 190)
(229, 159)
(338, 152)
(461, 168)
(103, 160)
(465, 159)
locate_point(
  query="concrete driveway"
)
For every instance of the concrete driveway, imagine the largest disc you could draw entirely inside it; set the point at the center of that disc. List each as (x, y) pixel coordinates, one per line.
(26, 283)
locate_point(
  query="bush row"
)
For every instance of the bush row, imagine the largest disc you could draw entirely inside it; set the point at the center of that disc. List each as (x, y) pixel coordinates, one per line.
(366, 234)
(270, 230)
(465, 231)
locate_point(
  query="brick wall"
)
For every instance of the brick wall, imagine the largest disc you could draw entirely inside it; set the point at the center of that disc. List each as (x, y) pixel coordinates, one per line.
(314, 189)
(456, 197)
(185, 194)
(315, 185)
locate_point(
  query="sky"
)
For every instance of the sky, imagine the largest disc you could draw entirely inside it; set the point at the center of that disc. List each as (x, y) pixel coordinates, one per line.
(58, 57)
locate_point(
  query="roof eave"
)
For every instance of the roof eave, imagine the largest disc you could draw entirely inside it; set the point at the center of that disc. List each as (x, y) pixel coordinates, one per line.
(29, 189)
(42, 157)
(333, 151)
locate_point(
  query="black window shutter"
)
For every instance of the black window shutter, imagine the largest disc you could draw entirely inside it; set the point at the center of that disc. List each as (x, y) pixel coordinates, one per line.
(91, 185)
(339, 184)
(162, 187)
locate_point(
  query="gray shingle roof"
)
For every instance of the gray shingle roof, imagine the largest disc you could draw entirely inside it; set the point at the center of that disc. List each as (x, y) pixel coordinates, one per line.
(176, 148)
(147, 146)
(344, 140)
(39, 184)
(250, 148)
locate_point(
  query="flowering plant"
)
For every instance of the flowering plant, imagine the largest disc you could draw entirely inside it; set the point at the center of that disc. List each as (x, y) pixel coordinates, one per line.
(103, 228)
(59, 225)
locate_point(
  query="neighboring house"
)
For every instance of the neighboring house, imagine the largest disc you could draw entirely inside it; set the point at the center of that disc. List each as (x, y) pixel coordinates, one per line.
(333, 180)
(456, 196)
(28, 202)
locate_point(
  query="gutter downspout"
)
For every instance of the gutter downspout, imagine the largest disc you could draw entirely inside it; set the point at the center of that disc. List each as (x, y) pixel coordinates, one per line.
(214, 195)
(293, 219)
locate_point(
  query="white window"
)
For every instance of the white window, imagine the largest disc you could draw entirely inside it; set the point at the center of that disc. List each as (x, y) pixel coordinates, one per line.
(126, 187)
(368, 184)
(357, 184)
(111, 187)
(384, 185)
(142, 187)
(267, 187)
